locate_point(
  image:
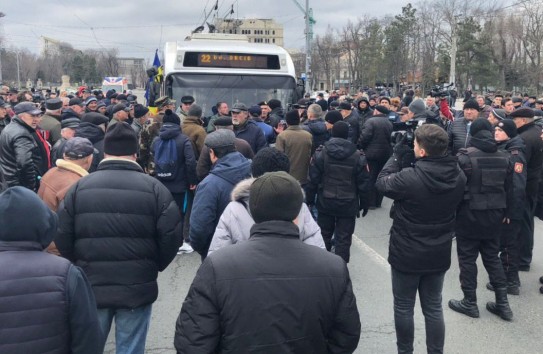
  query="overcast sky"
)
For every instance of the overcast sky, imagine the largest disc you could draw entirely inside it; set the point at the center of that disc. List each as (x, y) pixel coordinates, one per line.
(134, 26)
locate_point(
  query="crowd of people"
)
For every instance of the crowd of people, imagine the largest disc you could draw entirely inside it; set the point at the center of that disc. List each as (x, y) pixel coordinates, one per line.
(101, 195)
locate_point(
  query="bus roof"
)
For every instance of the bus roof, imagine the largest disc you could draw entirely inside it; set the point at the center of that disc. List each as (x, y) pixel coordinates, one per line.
(223, 43)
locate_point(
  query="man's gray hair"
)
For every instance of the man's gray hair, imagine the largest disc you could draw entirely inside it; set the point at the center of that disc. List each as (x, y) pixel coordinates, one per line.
(315, 110)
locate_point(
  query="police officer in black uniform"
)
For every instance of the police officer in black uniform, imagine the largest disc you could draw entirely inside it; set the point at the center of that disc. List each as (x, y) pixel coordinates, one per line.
(479, 219)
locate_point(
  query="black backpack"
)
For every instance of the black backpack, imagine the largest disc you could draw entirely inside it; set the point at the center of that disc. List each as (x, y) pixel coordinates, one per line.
(166, 164)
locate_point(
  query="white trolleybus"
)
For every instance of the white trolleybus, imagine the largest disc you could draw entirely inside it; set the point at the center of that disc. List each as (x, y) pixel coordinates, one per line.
(228, 68)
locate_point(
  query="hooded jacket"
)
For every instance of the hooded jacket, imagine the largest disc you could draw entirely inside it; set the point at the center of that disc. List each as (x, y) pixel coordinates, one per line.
(20, 155)
(270, 294)
(186, 161)
(55, 297)
(425, 200)
(324, 167)
(96, 136)
(236, 221)
(364, 114)
(212, 197)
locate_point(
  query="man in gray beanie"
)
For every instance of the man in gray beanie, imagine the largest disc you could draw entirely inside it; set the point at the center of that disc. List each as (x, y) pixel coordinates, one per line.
(290, 296)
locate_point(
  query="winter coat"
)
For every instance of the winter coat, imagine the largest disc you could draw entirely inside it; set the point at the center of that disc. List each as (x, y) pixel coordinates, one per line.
(296, 143)
(55, 183)
(531, 135)
(204, 162)
(51, 124)
(192, 127)
(478, 223)
(186, 161)
(268, 131)
(96, 136)
(4, 123)
(375, 138)
(121, 227)
(458, 135)
(251, 133)
(235, 224)
(317, 128)
(515, 149)
(354, 126)
(212, 197)
(270, 294)
(338, 151)
(46, 303)
(20, 155)
(425, 200)
(68, 113)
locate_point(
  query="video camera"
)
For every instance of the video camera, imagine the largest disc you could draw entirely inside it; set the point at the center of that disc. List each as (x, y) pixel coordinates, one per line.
(404, 132)
(441, 90)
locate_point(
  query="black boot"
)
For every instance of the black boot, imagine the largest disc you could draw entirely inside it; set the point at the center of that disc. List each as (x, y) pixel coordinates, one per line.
(512, 286)
(501, 306)
(466, 306)
(541, 280)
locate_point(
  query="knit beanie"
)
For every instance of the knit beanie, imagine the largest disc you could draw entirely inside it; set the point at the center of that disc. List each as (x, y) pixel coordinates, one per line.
(340, 130)
(509, 127)
(269, 160)
(275, 196)
(382, 109)
(478, 125)
(417, 106)
(170, 117)
(25, 217)
(499, 113)
(471, 104)
(274, 103)
(121, 140)
(333, 117)
(292, 117)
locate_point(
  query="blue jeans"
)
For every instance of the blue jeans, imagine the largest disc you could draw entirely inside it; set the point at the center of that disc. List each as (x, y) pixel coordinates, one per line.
(404, 289)
(130, 327)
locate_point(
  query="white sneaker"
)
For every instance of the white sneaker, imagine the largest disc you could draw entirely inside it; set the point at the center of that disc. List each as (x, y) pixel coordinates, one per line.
(185, 248)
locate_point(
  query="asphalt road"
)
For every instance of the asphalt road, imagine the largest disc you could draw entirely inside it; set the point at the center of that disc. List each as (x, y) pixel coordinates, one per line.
(370, 275)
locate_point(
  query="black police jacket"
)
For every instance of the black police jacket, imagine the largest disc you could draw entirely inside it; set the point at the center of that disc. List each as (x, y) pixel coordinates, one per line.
(425, 200)
(338, 174)
(20, 155)
(488, 193)
(531, 134)
(271, 294)
(515, 150)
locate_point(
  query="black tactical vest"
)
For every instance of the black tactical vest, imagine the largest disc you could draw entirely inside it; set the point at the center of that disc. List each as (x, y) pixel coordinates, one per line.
(486, 188)
(339, 181)
(33, 303)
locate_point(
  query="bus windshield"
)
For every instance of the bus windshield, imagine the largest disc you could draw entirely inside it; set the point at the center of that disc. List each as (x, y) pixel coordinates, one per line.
(208, 89)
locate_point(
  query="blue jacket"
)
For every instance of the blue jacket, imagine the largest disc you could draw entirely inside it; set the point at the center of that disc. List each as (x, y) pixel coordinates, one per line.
(269, 134)
(252, 134)
(317, 128)
(212, 197)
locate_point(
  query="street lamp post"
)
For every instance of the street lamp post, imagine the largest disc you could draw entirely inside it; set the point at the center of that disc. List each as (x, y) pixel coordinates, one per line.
(1, 15)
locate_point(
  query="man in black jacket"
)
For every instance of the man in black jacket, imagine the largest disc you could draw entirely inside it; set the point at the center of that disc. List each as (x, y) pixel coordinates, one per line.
(20, 154)
(425, 199)
(459, 130)
(375, 140)
(128, 229)
(487, 198)
(272, 293)
(46, 303)
(339, 175)
(530, 133)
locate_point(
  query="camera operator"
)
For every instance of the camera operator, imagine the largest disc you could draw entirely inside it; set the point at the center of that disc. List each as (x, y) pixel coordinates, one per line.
(425, 200)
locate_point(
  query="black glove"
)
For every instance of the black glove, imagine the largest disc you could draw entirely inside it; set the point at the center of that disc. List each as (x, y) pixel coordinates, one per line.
(404, 155)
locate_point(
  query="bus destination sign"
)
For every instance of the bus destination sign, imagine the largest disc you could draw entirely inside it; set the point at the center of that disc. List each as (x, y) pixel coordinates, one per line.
(232, 60)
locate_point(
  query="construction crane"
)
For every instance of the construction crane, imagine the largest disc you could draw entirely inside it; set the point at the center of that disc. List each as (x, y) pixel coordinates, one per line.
(309, 22)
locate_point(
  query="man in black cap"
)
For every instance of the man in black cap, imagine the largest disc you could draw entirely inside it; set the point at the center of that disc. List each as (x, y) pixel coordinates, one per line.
(375, 139)
(141, 115)
(459, 129)
(517, 102)
(67, 132)
(338, 178)
(204, 164)
(487, 201)
(47, 302)
(119, 113)
(213, 193)
(183, 110)
(322, 102)
(331, 118)
(288, 297)
(93, 127)
(20, 156)
(531, 135)
(12, 96)
(346, 110)
(91, 104)
(422, 230)
(275, 117)
(4, 116)
(255, 113)
(51, 119)
(77, 106)
(128, 229)
(246, 129)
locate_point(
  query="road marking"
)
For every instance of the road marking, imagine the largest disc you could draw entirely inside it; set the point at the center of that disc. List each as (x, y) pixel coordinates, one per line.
(376, 257)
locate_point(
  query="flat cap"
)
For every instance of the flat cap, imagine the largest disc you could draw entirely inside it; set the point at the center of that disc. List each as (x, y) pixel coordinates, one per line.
(220, 138)
(523, 112)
